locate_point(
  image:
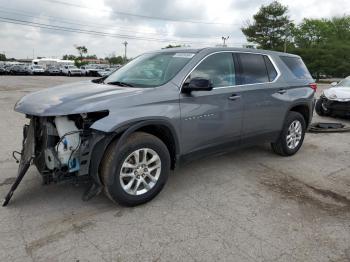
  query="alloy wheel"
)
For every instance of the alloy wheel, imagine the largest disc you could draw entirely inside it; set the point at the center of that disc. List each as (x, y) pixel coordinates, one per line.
(140, 171)
(294, 134)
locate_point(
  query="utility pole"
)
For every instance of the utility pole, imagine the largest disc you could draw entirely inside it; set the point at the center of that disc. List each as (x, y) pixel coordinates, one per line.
(224, 39)
(125, 44)
(287, 34)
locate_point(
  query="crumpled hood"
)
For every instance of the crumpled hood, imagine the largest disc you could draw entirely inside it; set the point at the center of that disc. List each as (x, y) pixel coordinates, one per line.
(74, 98)
(338, 93)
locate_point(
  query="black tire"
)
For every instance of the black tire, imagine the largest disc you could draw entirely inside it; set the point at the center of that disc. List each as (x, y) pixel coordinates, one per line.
(114, 158)
(319, 108)
(280, 147)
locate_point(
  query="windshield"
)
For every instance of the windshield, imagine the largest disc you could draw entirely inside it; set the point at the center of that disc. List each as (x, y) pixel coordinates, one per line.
(344, 83)
(150, 70)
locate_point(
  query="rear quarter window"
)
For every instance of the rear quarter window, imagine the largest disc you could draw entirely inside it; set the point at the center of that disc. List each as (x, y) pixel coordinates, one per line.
(296, 66)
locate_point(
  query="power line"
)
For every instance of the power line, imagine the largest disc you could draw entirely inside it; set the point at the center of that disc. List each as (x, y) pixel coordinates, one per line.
(64, 21)
(97, 33)
(141, 16)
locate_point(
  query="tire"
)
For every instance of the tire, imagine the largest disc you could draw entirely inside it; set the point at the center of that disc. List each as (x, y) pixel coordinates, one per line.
(281, 147)
(115, 158)
(319, 108)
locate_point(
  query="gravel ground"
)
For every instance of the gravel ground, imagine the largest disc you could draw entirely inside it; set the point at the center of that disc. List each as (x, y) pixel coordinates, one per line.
(250, 205)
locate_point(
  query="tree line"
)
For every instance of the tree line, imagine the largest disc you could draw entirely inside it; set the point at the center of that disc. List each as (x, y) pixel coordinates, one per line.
(324, 44)
(112, 59)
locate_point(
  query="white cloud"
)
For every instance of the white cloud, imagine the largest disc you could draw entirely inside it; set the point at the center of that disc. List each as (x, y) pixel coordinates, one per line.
(104, 15)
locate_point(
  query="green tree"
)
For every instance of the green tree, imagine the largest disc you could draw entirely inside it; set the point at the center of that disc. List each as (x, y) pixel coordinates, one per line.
(81, 50)
(271, 27)
(312, 33)
(91, 57)
(3, 57)
(114, 60)
(69, 57)
(324, 45)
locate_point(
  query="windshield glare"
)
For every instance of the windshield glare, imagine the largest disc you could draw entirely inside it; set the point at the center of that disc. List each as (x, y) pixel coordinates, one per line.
(150, 70)
(344, 83)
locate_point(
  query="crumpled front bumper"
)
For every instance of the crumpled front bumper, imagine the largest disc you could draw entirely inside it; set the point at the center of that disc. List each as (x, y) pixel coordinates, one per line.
(337, 107)
(27, 155)
(35, 142)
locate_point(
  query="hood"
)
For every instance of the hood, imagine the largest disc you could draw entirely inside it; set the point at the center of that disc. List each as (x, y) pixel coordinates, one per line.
(75, 98)
(338, 93)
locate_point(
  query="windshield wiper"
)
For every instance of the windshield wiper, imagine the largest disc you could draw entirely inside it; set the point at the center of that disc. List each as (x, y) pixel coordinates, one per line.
(119, 83)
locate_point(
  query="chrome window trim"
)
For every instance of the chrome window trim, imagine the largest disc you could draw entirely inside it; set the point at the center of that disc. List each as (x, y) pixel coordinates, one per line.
(237, 52)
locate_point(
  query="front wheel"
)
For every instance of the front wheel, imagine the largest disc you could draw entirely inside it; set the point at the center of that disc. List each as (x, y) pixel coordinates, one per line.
(321, 109)
(135, 172)
(292, 135)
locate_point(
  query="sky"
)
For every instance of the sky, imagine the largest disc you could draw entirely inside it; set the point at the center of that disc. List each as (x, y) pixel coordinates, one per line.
(103, 25)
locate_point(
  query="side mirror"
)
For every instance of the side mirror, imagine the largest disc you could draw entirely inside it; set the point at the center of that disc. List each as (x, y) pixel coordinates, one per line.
(197, 84)
(334, 84)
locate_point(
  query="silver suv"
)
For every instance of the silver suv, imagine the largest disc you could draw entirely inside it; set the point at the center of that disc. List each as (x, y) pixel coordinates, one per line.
(127, 130)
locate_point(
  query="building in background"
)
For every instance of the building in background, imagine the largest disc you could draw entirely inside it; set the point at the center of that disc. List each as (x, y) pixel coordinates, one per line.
(50, 62)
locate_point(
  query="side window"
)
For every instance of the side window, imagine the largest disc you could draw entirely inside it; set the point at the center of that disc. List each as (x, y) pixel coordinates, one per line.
(271, 70)
(253, 69)
(297, 66)
(218, 68)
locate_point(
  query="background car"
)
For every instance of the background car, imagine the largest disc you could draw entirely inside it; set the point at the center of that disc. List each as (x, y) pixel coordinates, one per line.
(36, 70)
(7, 69)
(106, 71)
(89, 70)
(335, 100)
(71, 70)
(2, 70)
(52, 71)
(18, 70)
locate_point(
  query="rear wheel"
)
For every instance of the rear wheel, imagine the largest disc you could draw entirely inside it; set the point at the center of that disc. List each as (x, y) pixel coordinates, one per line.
(135, 172)
(292, 135)
(321, 109)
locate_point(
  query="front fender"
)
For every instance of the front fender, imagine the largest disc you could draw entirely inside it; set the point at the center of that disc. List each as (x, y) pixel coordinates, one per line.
(122, 132)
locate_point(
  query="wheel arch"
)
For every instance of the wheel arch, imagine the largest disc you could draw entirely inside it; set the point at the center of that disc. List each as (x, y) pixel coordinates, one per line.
(159, 128)
(304, 110)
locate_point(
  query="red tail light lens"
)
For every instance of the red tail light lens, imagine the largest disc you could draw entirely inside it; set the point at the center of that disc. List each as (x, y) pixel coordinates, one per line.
(313, 86)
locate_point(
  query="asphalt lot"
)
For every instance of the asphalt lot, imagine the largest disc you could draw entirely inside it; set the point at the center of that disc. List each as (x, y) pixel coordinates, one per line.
(250, 205)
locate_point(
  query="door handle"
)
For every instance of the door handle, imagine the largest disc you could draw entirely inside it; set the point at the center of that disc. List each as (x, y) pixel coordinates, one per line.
(234, 97)
(282, 91)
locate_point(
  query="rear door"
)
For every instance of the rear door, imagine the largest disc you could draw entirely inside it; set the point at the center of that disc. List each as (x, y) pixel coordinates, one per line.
(262, 95)
(210, 118)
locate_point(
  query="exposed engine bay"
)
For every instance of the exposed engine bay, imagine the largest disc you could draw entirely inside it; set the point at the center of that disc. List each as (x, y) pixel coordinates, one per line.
(61, 148)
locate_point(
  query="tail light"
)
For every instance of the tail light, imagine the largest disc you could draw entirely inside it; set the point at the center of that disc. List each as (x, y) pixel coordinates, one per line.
(313, 86)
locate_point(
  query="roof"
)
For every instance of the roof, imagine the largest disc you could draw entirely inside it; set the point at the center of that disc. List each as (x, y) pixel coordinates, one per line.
(219, 49)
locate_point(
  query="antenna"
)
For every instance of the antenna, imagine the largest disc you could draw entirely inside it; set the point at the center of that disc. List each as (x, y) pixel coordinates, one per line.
(224, 39)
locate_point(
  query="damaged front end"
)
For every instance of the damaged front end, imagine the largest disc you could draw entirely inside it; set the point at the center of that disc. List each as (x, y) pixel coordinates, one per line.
(63, 148)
